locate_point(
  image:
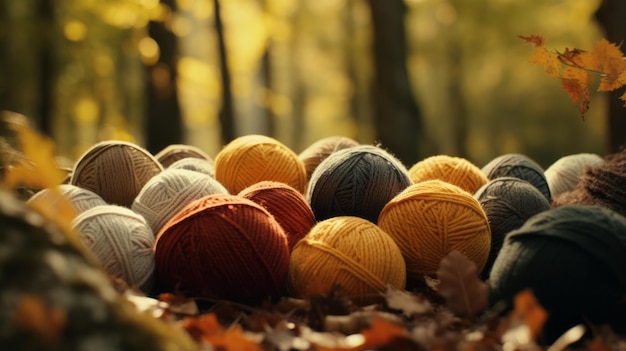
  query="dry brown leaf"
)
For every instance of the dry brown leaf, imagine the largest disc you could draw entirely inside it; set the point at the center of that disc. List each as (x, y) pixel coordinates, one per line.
(466, 295)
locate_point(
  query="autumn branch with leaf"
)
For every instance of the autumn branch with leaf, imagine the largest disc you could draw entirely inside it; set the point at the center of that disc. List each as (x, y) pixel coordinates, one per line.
(576, 68)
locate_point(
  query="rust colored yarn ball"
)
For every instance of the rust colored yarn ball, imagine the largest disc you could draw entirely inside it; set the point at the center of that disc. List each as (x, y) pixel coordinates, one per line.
(224, 247)
(317, 152)
(454, 170)
(348, 253)
(430, 219)
(286, 204)
(357, 181)
(253, 158)
(175, 152)
(115, 170)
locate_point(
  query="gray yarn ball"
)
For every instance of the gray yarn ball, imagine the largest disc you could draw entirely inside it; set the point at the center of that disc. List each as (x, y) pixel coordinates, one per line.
(518, 166)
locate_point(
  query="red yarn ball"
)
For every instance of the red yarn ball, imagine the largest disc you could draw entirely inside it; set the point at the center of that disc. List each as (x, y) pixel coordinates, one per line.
(224, 247)
(288, 206)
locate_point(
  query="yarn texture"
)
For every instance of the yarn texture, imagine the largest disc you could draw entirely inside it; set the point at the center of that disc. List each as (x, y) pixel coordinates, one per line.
(518, 166)
(317, 152)
(603, 185)
(224, 247)
(564, 174)
(573, 259)
(80, 199)
(431, 218)
(357, 181)
(253, 158)
(175, 152)
(508, 203)
(115, 170)
(350, 253)
(171, 190)
(286, 204)
(122, 242)
(194, 164)
(454, 170)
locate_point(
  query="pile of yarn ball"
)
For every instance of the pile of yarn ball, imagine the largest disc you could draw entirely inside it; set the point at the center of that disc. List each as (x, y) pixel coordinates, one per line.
(115, 170)
(518, 166)
(169, 191)
(508, 203)
(286, 204)
(222, 246)
(346, 253)
(122, 242)
(252, 158)
(573, 259)
(454, 170)
(430, 219)
(357, 181)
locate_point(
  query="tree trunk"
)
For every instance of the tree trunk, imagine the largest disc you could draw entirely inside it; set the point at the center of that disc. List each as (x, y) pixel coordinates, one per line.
(611, 15)
(227, 112)
(164, 122)
(399, 126)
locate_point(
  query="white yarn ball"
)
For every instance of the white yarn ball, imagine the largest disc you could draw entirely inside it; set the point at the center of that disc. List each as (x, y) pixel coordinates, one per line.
(122, 242)
(80, 199)
(564, 174)
(171, 190)
(195, 164)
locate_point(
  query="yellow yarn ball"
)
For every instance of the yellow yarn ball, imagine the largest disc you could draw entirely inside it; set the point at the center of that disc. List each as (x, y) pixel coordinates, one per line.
(349, 252)
(454, 170)
(253, 158)
(432, 218)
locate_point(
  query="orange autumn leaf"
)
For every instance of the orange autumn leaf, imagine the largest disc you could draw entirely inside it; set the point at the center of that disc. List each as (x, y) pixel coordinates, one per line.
(206, 328)
(33, 314)
(623, 98)
(527, 309)
(381, 332)
(534, 39)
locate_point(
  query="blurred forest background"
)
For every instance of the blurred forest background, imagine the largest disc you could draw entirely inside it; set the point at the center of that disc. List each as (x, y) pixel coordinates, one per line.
(421, 77)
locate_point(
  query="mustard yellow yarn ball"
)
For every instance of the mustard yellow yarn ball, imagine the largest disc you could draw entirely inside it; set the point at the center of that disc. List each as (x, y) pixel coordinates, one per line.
(432, 218)
(348, 252)
(454, 170)
(253, 158)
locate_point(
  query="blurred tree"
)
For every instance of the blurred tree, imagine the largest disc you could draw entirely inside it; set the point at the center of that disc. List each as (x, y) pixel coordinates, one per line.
(163, 122)
(227, 111)
(398, 120)
(611, 15)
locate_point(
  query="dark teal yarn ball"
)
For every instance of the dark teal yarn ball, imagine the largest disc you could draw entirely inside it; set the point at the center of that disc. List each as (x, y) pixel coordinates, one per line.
(518, 166)
(357, 181)
(573, 258)
(508, 202)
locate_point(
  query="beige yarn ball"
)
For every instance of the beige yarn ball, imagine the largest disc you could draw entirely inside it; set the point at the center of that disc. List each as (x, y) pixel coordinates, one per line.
(170, 191)
(122, 242)
(116, 170)
(175, 152)
(79, 198)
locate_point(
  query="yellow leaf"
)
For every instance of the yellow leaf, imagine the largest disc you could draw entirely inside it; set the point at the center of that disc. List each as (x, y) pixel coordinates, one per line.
(607, 58)
(576, 82)
(549, 60)
(623, 98)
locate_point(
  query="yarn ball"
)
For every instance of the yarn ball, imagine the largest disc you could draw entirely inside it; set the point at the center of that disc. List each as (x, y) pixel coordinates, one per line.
(430, 219)
(454, 170)
(508, 202)
(603, 184)
(288, 206)
(317, 152)
(175, 152)
(171, 190)
(253, 158)
(564, 174)
(194, 164)
(518, 166)
(122, 242)
(348, 253)
(79, 198)
(115, 170)
(224, 247)
(357, 181)
(573, 259)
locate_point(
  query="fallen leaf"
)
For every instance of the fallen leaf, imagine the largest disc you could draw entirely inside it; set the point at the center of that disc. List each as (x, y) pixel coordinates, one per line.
(33, 314)
(409, 304)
